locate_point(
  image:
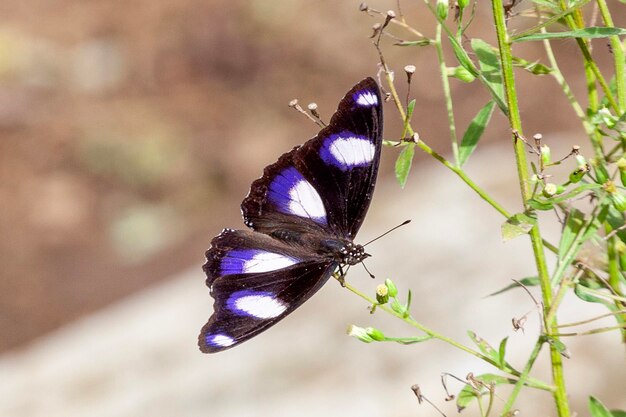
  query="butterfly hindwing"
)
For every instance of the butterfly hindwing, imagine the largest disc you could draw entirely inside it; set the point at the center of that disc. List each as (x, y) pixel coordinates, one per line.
(255, 281)
(327, 183)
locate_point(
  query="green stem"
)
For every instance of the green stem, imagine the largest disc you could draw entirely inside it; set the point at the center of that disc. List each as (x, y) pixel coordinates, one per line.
(614, 276)
(523, 377)
(590, 130)
(618, 57)
(448, 97)
(535, 383)
(504, 46)
(575, 21)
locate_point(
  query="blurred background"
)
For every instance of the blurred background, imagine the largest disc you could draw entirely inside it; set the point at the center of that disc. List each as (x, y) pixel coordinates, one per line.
(129, 134)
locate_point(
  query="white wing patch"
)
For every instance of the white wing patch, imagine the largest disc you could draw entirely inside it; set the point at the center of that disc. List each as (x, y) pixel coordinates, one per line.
(305, 201)
(267, 261)
(352, 151)
(261, 305)
(220, 340)
(366, 99)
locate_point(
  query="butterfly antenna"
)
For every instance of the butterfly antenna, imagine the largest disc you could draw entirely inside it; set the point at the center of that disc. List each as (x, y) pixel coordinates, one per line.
(368, 271)
(388, 231)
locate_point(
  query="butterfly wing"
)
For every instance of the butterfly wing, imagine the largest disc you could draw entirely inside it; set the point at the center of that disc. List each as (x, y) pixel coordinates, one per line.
(256, 281)
(325, 185)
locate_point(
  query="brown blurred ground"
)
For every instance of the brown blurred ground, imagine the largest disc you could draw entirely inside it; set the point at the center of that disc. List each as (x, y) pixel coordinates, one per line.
(130, 131)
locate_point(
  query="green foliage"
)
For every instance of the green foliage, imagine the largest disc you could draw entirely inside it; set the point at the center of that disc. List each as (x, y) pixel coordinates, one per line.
(474, 131)
(588, 195)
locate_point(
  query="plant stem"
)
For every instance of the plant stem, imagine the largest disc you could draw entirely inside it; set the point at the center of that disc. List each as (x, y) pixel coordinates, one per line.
(618, 58)
(504, 46)
(448, 97)
(535, 383)
(522, 378)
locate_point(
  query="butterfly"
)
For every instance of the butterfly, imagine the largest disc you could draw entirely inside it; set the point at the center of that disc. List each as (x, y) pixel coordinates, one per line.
(304, 213)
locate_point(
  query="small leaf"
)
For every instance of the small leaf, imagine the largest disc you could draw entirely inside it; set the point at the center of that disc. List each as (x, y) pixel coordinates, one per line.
(474, 132)
(559, 346)
(618, 413)
(589, 33)
(540, 204)
(532, 67)
(582, 291)
(547, 4)
(483, 345)
(517, 225)
(528, 282)
(574, 222)
(489, 67)
(502, 351)
(462, 56)
(598, 409)
(421, 42)
(469, 393)
(403, 163)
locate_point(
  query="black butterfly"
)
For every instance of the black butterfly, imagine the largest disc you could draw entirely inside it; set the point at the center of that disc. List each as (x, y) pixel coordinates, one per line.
(305, 211)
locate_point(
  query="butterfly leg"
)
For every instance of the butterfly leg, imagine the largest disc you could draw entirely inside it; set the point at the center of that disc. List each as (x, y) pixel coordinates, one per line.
(341, 277)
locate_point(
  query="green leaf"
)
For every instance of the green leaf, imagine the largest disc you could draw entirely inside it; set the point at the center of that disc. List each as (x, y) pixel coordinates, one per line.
(489, 67)
(528, 282)
(502, 351)
(517, 225)
(462, 56)
(618, 413)
(598, 409)
(403, 163)
(421, 42)
(483, 345)
(616, 219)
(558, 345)
(548, 4)
(532, 67)
(574, 222)
(469, 393)
(589, 33)
(538, 204)
(474, 132)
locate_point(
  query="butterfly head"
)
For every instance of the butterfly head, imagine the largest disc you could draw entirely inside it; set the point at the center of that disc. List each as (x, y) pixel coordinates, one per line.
(352, 254)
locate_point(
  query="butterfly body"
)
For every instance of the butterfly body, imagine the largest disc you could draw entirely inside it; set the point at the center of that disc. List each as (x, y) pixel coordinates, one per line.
(304, 213)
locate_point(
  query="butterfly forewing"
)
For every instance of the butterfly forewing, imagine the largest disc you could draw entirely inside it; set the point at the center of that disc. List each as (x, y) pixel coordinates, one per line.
(327, 183)
(303, 210)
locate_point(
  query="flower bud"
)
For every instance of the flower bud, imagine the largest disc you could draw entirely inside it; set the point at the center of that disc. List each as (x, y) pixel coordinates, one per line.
(462, 4)
(391, 287)
(580, 160)
(442, 9)
(551, 189)
(578, 175)
(546, 158)
(461, 73)
(382, 294)
(600, 171)
(359, 333)
(619, 201)
(375, 334)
